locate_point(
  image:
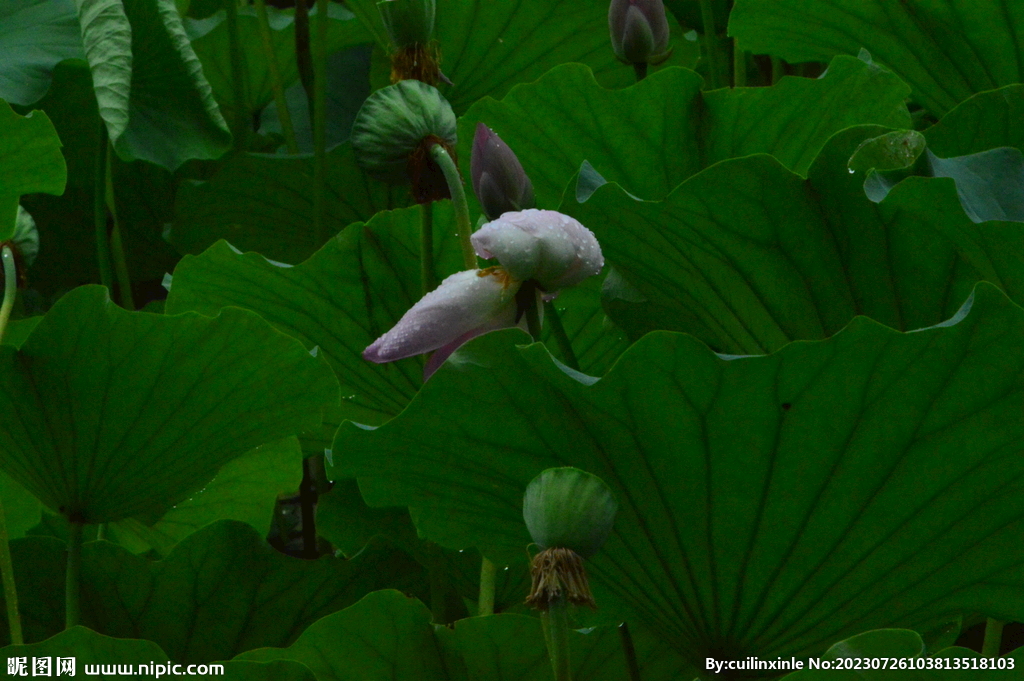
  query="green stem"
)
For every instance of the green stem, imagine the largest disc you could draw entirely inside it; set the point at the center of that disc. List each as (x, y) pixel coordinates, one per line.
(561, 338)
(427, 247)
(993, 638)
(739, 65)
(533, 316)
(488, 571)
(556, 622)
(777, 70)
(451, 174)
(320, 122)
(711, 43)
(73, 585)
(640, 69)
(100, 210)
(6, 565)
(276, 82)
(303, 58)
(237, 74)
(10, 288)
(630, 652)
(124, 280)
(307, 507)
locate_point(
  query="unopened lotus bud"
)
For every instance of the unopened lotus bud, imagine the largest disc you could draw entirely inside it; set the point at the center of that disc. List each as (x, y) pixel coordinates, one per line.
(569, 514)
(639, 31)
(545, 246)
(500, 183)
(394, 130)
(24, 244)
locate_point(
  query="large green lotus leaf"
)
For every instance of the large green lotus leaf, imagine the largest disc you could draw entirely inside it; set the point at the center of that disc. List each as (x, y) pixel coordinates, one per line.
(224, 590)
(244, 489)
(488, 47)
(946, 50)
(343, 298)
(37, 34)
(264, 203)
(210, 41)
(30, 161)
(768, 505)
(388, 636)
(149, 83)
(654, 135)
(21, 509)
(109, 414)
(748, 256)
(985, 121)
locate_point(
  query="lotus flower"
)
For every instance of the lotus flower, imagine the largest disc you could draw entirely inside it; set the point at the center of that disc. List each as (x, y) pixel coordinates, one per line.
(548, 247)
(500, 183)
(639, 31)
(543, 246)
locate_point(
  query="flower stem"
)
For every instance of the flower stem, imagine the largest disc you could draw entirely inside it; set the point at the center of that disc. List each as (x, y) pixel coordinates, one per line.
(319, 122)
(10, 288)
(640, 69)
(993, 638)
(629, 651)
(711, 43)
(488, 571)
(427, 247)
(73, 585)
(124, 280)
(558, 331)
(556, 622)
(7, 566)
(777, 70)
(100, 209)
(739, 65)
(451, 174)
(533, 317)
(237, 74)
(276, 82)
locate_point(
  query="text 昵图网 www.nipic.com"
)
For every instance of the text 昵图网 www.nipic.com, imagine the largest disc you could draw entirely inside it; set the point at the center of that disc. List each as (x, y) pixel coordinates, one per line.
(67, 667)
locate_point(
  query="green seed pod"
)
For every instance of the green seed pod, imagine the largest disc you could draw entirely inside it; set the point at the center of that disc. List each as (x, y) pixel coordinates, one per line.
(393, 123)
(569, 508)
(408, 22)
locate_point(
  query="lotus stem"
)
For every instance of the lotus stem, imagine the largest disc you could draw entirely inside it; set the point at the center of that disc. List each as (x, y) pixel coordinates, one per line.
(427, 247)
(73, 585)
(711, 43)
(237, 74)
(556, 622)
(6, 564)
(629, 651)
(276, 82)
(561, 338)
(739, 65)
(124, 280)
(100, 209)
(993, 638)
(488, 571)
(640, 69)
(451, 174)
(320, 122)
(10, 268)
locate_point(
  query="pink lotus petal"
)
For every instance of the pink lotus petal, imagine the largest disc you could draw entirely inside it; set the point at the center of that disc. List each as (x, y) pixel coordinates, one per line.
(464, 303)
(544, 245)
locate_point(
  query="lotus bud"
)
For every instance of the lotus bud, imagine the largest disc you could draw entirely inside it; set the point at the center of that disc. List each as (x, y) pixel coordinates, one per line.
(465, 305)
(545, 246)
(410, 27)
(569, 514)
(639, 31)
(500, 183)
(394, 131)
(24, 244)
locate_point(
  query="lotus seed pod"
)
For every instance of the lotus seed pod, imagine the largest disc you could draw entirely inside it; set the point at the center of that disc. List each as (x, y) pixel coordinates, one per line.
(392, 125)
(569, 508)
(546, 246)
(408, 22)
